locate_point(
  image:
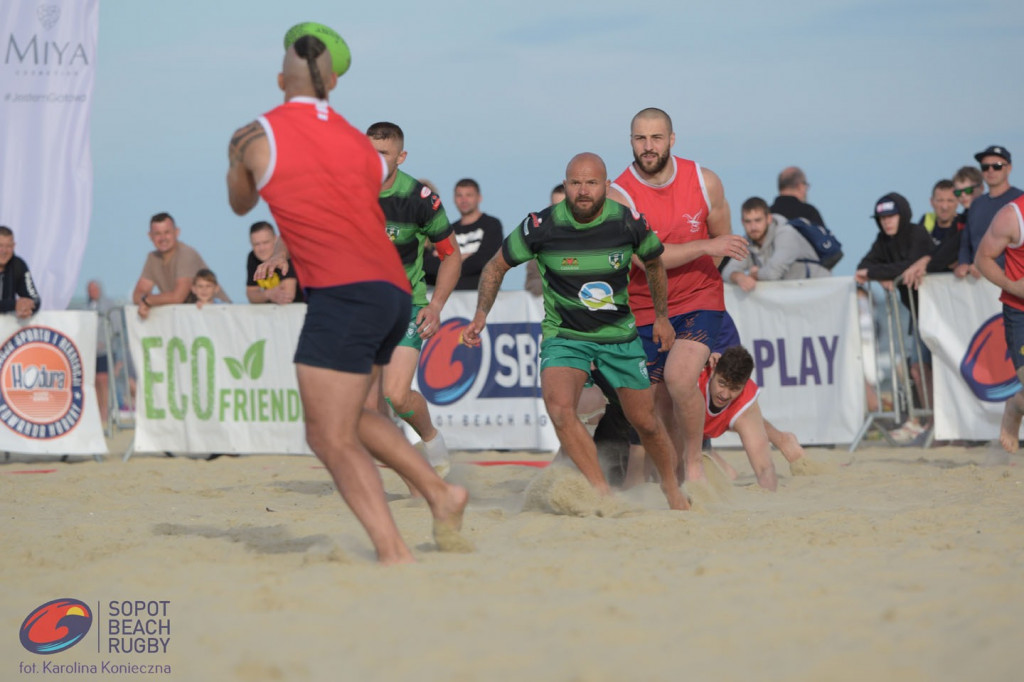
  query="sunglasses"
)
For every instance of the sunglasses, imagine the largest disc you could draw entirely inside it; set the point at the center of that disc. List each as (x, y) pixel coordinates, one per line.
(993, 166)
(966, 190)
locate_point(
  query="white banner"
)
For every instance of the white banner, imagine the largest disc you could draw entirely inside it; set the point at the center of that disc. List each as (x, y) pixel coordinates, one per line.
(47, 385)
(218, 379)
(46, 84)
(805, 339)
(962, 323)
(488, 397)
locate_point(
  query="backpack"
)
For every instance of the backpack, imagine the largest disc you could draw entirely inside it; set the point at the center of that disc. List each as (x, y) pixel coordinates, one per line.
(828, 248)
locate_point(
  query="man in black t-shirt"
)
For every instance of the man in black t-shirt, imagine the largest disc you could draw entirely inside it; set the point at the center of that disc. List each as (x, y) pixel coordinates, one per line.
(792, 199)
(478, 234)
(277, 288)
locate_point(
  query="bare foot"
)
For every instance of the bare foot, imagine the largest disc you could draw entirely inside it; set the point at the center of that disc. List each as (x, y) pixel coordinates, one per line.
(676, 499)
(448, 512)
(396, 559)
(1008, 430)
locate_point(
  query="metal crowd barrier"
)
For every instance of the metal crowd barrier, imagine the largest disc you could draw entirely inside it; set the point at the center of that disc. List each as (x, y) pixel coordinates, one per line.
(120, 392)
(903, 406)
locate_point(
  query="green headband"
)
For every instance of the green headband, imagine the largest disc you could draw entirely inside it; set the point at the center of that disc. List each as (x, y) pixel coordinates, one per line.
(341, 58)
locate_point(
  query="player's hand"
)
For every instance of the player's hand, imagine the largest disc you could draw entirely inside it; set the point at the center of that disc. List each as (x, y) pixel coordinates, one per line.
(23, 307)
(428, 321)
(731, 245)
(713, 360)
(471, 334)
(663, 334)
(267, 267)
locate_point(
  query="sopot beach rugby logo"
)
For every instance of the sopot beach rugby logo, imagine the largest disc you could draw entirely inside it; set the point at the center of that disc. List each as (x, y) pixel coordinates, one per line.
(41, 392)
(55, 626)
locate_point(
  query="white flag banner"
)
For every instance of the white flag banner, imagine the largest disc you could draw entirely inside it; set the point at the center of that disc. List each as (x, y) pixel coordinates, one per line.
(46, 84)
(962, 323)
(805, 339)
(218, 379)
(47, 385)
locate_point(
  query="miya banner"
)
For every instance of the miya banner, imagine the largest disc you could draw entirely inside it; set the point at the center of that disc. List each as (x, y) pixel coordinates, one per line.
(48, 385)
(46, 85)
(962, 323)
(219, 379)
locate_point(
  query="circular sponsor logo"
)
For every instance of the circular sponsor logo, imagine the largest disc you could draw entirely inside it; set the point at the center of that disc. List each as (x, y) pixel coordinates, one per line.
(597, 296)
(448, 368)
(40, 383)
(56, 626)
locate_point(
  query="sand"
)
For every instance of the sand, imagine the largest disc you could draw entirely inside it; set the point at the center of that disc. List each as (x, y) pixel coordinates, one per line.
(892, 564)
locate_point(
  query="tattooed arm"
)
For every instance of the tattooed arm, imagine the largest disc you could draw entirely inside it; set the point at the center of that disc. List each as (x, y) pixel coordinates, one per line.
(490, 281)
(248, 156)
(663, 334)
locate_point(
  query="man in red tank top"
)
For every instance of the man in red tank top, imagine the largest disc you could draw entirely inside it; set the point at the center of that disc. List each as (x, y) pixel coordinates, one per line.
(685, 205)
(1005, 235)
(321, 178)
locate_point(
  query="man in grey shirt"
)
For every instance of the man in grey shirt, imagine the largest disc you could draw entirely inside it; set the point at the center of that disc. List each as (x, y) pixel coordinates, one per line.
(777, 251)
(170, 268)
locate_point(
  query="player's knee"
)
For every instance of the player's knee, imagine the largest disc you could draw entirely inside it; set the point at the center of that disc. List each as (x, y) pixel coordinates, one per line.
(561, 415)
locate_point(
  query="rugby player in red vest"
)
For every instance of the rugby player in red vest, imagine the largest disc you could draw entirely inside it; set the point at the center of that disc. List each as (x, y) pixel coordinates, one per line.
(321, 178)
(1005, 235)
(685, 206)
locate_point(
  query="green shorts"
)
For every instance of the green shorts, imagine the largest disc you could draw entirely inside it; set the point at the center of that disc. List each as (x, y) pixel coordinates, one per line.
(412, 339)
(623, 364)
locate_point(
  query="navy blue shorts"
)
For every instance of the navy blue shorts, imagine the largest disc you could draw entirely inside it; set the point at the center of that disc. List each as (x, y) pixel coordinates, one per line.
(1013, 323)
(728, 335)
(701, 326)
(102, 365)
(353, 327)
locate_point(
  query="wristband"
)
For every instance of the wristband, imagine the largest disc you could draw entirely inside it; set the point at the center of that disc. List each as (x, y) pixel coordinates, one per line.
(143, 300)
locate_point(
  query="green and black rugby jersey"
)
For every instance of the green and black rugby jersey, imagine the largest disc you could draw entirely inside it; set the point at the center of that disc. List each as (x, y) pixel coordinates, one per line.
(584, 268)
(413, 214)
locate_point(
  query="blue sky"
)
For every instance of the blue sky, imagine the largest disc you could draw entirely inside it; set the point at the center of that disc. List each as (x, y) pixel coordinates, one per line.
(867, 97)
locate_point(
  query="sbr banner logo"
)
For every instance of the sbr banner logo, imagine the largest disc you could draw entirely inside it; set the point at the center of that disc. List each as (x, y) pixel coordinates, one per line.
(55, 626)
(986, 366)
(40, 383)
(506, 360)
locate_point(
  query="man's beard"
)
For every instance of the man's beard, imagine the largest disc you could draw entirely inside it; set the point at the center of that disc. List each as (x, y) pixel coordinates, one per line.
(585, 215)
(659, 164)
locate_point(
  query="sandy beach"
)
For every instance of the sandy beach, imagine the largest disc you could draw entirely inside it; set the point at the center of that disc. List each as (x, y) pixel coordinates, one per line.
(897, 564)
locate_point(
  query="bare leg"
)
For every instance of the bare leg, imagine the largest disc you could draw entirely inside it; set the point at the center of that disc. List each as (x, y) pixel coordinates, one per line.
(103, 396)
(561, 387)
(785, 441)
(683, 366)
(636, 467)
(410, 405)
(638, 406)
(333, 404)
(1013, 411)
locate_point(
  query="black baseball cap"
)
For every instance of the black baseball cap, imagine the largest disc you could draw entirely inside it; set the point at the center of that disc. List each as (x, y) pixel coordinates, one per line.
(885, 206)
(994, 150)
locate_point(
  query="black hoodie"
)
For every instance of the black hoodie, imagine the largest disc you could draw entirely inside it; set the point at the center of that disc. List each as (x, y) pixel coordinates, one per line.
(889, 256)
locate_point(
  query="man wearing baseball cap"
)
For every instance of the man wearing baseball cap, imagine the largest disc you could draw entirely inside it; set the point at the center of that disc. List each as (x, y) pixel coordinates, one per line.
(996, 165)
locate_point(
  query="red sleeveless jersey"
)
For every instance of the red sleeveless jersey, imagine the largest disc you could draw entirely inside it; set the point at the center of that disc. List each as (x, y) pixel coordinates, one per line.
(678, 213)
(1015, 257)
(717, 424)
(322, 186)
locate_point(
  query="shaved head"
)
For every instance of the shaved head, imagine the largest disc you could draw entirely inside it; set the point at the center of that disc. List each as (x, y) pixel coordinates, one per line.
(307, 69)
(652, 114)
(587, 158)
(586, 185)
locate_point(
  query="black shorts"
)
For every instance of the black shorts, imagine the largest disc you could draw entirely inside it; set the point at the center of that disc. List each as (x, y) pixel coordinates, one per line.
(353, 327)
(101, 364)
